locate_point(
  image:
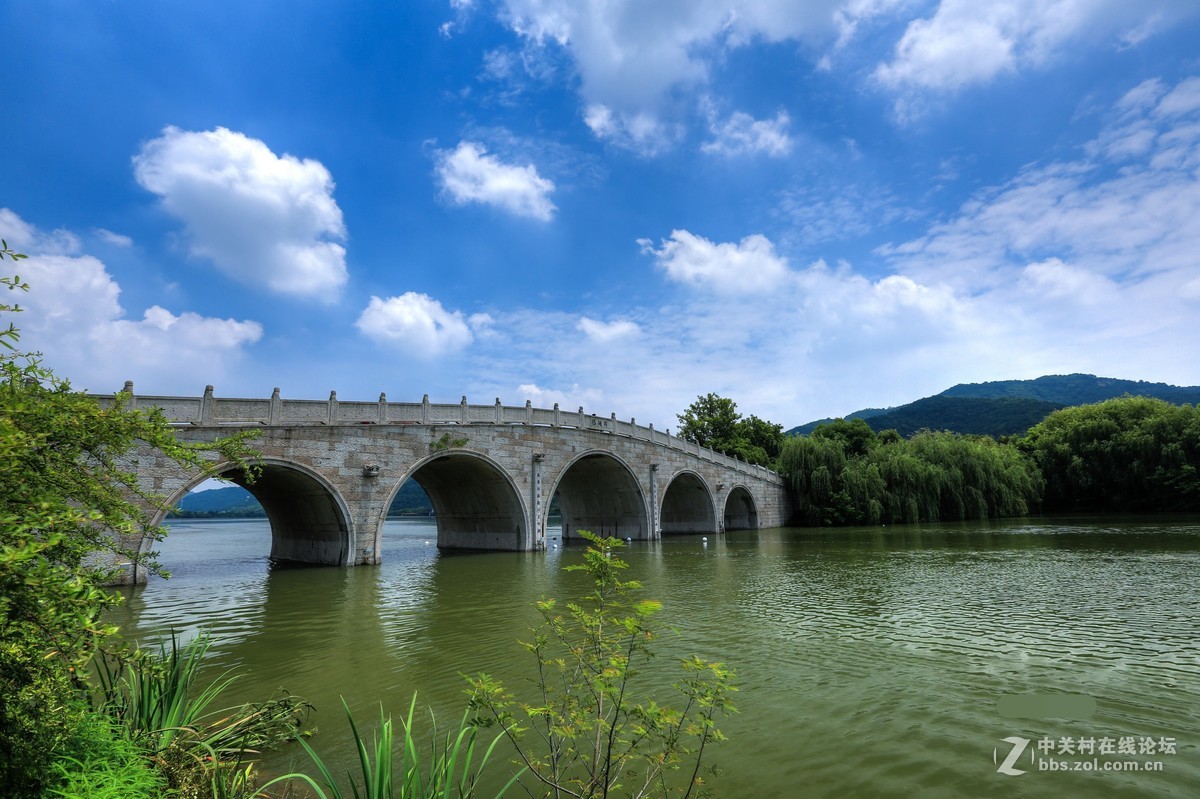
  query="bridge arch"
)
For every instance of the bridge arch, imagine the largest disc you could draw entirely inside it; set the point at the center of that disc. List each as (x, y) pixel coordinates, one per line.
(741, 512)
(475, 501)
(599, 492)
(687, 506)
(310, 520)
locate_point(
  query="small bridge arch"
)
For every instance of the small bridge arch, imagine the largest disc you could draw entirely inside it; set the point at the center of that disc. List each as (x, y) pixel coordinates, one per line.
(687, 505)
(599, 492)
(475, 502)
(741, 512)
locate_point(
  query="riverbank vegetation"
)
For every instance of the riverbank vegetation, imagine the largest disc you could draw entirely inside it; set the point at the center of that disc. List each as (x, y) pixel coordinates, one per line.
(67, 492)
(846, 474)
(1132, 454)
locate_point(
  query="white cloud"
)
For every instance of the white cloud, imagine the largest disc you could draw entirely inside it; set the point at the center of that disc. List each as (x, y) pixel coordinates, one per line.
(742, 134)
(822, 337)
(469, 175)
(1125, 223)
(635, 59)
(746, 267)
(25, 238)
(568, 400)
(642, 132)
(1089, 263)
(606, 332)
(1058, 282)
(966, 42)
(72, 314)
(1086, 265)
(262, 219)
(418, 325)
(1183, 99)
(639, 67)
(113, 239)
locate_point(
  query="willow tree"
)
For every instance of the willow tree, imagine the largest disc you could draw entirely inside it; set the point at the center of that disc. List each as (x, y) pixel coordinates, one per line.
(841, 475)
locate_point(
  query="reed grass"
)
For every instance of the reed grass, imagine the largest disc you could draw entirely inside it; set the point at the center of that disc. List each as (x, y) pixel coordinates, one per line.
(448, 767)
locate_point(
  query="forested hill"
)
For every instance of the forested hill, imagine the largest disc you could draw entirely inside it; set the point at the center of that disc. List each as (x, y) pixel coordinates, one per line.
(1007, 407)
(1076, 389)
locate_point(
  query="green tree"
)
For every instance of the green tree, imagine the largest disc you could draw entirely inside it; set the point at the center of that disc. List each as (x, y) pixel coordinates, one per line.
(846, 477)
(759, 441)
(856, 435)
(585, 734)
(713, 421)
(1126, 454)
(66, 493)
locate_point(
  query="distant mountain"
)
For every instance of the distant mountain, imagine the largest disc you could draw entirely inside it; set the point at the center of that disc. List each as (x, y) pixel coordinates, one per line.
(232, 501)
(1076, 389)
(237, 502)
(1007, 407)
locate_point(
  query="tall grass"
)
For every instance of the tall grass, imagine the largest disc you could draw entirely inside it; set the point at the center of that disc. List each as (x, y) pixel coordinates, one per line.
(449, 769)
(156, 699)
(104, 764)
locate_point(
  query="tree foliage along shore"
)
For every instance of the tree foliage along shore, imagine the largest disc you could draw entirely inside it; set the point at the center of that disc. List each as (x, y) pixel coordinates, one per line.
(713, 421)
(1121, 455)
(1128, 454)
(66, 493)
(845, 473)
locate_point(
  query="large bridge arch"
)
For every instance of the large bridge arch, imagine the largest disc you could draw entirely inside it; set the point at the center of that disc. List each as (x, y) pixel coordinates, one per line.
(687, 506)
(598, 491)
(475, 501)
(310, 520)
(741, 512)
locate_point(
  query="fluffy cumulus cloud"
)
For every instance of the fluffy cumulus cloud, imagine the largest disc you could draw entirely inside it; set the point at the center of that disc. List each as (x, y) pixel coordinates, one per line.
(418, 325)
(823, 334)
(262, 219)
(966, 42)
(72, 314)
(468, 174)
(749, 266)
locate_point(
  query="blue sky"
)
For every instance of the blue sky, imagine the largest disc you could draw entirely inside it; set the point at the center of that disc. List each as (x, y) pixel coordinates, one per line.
(809, 207)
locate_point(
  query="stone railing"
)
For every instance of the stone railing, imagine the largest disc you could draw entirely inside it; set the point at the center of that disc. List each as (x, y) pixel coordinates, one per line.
(212, 411)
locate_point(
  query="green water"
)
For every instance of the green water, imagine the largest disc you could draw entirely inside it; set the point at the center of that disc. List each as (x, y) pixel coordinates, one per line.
(870, 660)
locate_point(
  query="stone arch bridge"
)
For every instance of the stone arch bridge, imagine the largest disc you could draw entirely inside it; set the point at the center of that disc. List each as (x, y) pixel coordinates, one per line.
(330, 470)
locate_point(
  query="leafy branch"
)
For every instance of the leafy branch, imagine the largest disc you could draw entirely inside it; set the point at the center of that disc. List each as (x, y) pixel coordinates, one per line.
(584, 735)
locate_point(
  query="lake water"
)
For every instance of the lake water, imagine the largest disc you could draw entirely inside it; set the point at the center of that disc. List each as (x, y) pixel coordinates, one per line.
(871, 661)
